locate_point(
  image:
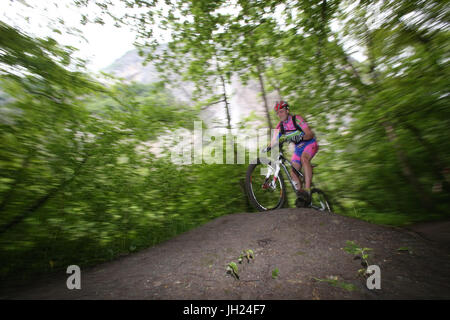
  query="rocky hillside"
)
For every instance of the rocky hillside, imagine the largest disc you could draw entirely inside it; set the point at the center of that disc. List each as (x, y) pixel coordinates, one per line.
(244, 99)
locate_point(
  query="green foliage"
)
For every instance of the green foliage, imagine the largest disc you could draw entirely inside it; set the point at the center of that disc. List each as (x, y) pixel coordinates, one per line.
(233, 269)
(353, 248)
(359, 253)
(232, 266)
(381, 121)
(247, 254)
(275, 273)
(334, 281)
(80, 179)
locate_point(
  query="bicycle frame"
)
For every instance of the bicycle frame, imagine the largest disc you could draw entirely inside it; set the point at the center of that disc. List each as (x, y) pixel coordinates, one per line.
(280, 162)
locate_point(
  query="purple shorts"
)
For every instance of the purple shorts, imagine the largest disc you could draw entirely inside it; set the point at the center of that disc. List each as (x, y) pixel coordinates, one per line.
(309, 147)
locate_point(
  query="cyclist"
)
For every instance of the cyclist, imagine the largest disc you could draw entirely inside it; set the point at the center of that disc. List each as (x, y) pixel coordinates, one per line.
(295, 129)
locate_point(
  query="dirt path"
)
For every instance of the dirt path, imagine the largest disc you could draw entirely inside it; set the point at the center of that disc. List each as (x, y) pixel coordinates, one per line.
(302, 244)
(436, 232)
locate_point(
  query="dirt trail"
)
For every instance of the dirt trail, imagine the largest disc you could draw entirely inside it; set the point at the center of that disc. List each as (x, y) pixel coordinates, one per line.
(303, 244)
(436, 232)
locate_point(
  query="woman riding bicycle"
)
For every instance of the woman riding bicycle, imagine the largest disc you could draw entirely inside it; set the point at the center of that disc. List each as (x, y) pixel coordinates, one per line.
(295, 129)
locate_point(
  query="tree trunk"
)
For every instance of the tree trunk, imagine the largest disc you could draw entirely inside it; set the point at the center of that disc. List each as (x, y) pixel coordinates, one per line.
(224, 93)
(263, 91)
(436, 166)
(390, 130)
(227, 105)
(406, 167)
(275, 85)
(322, 36)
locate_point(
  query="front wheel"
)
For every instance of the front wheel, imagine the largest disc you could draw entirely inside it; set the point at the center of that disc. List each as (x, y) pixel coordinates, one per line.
(263, 191)
(319, 200)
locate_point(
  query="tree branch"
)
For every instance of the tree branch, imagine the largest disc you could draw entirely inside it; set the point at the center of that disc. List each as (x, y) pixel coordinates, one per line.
(212, 103)
(17, 180)
(42, 201)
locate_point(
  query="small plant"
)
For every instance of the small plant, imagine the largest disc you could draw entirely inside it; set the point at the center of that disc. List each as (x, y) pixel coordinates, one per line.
(233, 269)
(247, 254)
(359, 253)
(275, 273)
(333, 280)
(232, 266)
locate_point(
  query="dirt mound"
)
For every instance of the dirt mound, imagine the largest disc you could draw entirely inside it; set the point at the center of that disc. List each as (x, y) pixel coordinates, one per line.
(437, 232)
(305, 246)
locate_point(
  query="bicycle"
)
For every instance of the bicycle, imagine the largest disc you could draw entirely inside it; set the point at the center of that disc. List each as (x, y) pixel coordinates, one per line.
(262, 187)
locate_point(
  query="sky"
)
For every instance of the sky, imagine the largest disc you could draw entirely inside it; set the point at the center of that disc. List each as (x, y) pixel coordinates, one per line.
(104, 43)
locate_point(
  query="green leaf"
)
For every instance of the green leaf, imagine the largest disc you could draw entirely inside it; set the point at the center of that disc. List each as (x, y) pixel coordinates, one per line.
(232, 267)
(275, 273)
(336, 283)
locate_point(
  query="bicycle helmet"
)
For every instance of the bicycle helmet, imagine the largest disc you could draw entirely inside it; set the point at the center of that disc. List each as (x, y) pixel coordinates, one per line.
(281, 105)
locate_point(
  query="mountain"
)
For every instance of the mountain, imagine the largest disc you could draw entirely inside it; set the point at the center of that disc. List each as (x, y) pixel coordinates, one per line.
(130, 67)
(244, 99)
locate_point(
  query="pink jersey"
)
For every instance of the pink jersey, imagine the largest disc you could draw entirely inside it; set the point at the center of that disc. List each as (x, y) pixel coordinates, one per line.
(309, 146)
(289, 125)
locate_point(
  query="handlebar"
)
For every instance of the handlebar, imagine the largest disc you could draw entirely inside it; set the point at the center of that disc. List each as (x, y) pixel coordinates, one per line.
(280, 145)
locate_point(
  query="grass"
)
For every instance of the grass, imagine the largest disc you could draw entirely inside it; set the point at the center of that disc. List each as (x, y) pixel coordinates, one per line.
(338, 284)
(275, 273)
(395, 219)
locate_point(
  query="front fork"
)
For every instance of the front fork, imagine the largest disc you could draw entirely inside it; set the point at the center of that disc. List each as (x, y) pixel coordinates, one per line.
(272, 183)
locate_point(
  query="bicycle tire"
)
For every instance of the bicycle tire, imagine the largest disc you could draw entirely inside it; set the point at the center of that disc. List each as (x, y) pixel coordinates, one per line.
(251, 194)
(319, 201)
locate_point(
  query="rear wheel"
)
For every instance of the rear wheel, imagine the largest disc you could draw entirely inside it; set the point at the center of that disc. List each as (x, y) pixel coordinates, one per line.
(263, 191)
